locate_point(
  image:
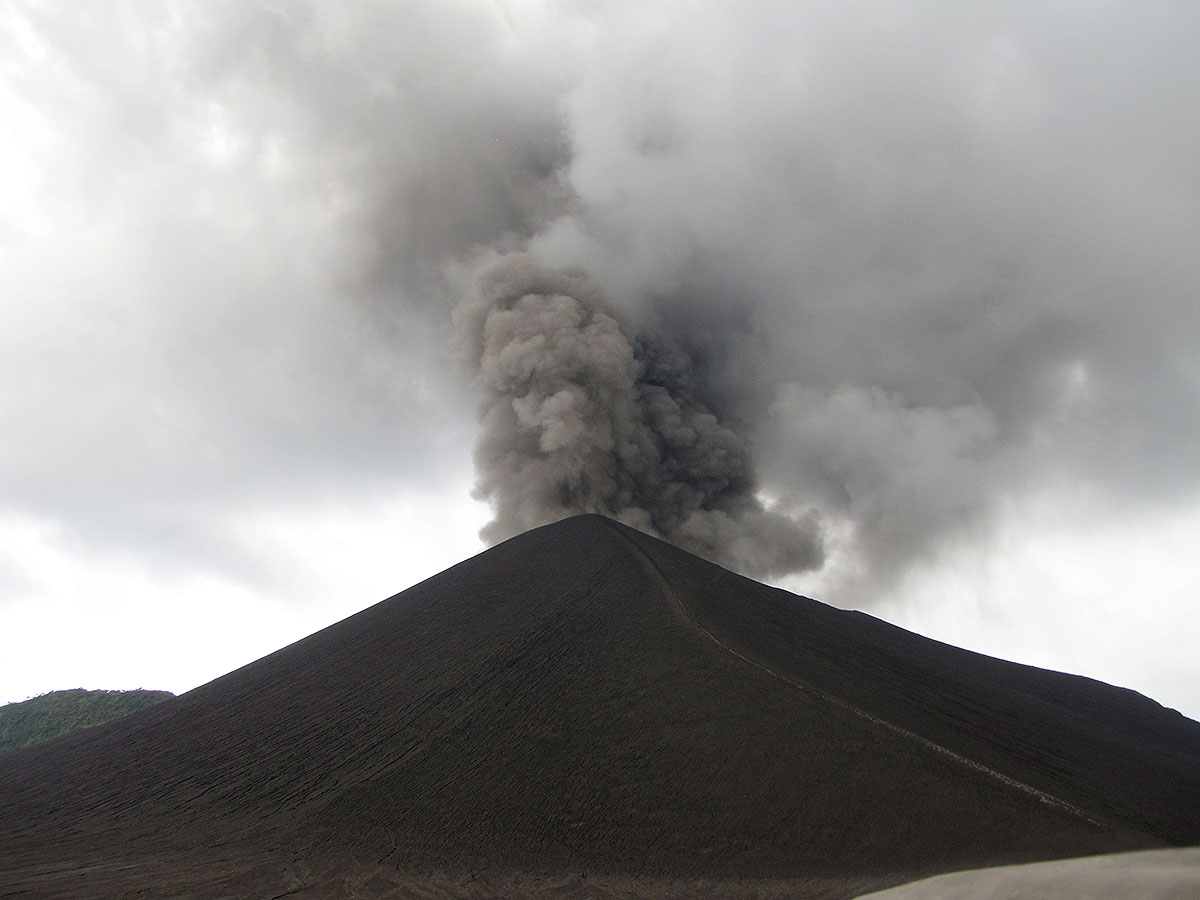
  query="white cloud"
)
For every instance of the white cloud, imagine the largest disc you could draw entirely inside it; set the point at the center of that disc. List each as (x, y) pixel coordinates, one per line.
(105, 620)
(1109, 598)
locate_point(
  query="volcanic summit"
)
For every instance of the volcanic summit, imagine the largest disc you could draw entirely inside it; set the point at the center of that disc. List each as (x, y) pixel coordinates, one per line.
(587, 711)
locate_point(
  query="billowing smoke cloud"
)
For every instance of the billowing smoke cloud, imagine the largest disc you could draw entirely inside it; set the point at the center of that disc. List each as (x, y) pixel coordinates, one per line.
(582, 413)
(932, 287)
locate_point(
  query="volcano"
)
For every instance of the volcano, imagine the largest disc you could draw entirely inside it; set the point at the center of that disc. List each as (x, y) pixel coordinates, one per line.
(587, 711)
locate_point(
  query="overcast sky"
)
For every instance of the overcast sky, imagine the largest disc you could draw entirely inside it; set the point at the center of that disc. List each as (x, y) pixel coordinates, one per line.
(934, 264)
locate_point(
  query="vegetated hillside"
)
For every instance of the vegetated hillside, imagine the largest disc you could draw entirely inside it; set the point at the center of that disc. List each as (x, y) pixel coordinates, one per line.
(61, 712)
(586, 702)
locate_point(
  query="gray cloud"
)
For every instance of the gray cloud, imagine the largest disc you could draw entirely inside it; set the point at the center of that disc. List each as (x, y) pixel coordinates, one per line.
(932, 263)
(226, 293)
(922, 261)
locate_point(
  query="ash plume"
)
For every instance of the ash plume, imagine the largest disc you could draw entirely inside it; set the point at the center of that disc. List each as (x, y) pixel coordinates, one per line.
(583, 413)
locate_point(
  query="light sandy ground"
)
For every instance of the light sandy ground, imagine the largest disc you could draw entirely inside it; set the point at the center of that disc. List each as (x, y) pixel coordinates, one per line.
(1146, 875)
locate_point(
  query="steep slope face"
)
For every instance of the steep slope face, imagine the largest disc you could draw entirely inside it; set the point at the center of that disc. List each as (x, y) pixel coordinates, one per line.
(581, 698)
(1104, 749)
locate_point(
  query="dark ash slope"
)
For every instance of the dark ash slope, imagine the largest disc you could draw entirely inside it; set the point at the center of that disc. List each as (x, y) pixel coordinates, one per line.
(585, 699)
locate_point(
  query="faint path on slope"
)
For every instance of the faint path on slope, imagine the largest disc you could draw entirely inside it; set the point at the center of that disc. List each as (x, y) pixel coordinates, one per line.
(669, 589)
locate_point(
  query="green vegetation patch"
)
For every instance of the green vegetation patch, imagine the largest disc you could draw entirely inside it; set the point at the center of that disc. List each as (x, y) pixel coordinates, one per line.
(61, 712)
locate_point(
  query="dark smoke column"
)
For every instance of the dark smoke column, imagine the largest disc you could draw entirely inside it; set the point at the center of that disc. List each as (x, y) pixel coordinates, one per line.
(580, 413)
